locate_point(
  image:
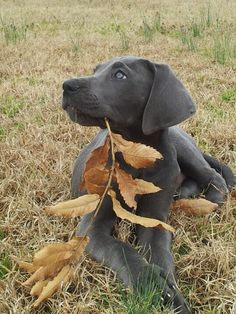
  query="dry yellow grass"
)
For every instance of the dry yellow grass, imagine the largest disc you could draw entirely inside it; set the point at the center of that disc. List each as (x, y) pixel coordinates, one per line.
(58, 39)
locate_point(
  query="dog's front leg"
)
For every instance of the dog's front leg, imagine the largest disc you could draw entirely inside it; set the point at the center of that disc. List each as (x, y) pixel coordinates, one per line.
(157, 241)
(104, 248)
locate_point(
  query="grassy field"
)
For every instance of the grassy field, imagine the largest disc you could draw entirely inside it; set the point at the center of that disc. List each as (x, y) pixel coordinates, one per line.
(42, 43)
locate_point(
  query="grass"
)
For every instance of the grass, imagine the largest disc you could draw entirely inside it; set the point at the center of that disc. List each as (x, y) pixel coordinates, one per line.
(141, 304)
(4, 266)
(209, 35)
(188, 40)
(222, 48)
(75, 42)
(118, 29)
(229, 95)
(13, 32)
(10, 106)
(149, 28)
(124, 40)
(38, 143)
(2, 133)
(147, 298)
(2, 234)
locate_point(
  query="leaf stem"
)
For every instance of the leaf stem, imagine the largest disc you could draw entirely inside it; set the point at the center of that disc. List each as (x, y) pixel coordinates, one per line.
(111, 173)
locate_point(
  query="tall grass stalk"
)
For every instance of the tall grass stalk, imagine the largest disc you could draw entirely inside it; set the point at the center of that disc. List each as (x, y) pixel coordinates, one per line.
(13, 32)
(75, 43)
(222, 49)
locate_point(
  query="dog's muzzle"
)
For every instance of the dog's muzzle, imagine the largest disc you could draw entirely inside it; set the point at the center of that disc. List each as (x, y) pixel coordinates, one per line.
(71, 85)
(81, 105)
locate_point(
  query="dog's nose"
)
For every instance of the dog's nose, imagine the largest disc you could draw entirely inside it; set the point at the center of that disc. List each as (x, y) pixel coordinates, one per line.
(70, 85)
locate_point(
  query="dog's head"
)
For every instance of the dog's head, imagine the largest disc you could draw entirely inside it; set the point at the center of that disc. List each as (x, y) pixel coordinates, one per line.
(130, 92)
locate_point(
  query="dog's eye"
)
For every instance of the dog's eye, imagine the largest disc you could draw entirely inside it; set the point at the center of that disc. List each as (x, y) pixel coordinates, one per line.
(120, 75)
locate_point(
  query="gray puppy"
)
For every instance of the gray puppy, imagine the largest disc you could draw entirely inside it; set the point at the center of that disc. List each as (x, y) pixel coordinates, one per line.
(143, 101)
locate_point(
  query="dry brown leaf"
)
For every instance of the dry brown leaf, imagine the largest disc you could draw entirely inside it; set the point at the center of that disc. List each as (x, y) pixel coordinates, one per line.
(53, 258)
(136, 154)
(126, 185)
(99, 156)
(38, 287)
(73, 208)
(50, 250)
(196, 207)
(78, 244)
(144, 221)
(52, 286)
(56, 252)
(95, 180)
(45, 272)
(98, 159)
(145, 187)
(129, 187)
(28, 267)
(55, 262)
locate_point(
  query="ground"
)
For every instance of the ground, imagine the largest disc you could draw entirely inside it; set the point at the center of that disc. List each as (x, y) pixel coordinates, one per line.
(42, 43)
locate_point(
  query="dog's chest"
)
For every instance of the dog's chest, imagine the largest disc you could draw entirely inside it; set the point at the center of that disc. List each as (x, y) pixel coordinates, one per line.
(148, 174)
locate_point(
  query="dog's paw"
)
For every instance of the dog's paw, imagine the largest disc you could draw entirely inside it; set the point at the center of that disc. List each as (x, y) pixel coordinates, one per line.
(155, 283)
(216, 190)
(180, 305)
(188, 189)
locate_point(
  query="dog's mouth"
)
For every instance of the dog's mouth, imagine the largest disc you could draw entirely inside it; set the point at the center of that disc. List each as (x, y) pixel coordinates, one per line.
(85, 119)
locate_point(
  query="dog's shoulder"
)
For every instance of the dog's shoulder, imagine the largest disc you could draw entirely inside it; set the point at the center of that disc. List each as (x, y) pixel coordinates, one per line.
(80, 161)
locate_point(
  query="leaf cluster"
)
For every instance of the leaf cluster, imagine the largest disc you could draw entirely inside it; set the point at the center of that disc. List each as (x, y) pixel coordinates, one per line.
(53, 265)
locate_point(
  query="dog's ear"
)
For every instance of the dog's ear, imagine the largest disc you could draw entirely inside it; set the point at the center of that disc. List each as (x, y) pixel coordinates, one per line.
(169, 102)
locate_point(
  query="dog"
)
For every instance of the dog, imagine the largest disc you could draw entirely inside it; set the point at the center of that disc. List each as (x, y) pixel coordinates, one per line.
(143, 102)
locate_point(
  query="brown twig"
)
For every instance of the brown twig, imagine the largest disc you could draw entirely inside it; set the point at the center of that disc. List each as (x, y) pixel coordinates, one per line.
(111, 173)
